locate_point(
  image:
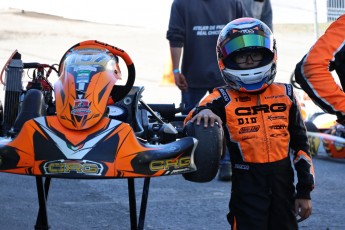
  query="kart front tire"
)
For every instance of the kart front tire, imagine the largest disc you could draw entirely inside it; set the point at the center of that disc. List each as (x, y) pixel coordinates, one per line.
(208, 151)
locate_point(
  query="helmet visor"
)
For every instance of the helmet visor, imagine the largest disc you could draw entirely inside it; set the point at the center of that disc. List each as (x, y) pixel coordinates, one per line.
(246, 41)
(91, 57)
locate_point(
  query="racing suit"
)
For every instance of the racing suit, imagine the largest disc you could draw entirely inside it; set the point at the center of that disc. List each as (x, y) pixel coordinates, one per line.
(313, 72)
(262, 129)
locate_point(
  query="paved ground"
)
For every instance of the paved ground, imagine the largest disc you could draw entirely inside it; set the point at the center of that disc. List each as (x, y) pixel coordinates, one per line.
(173, 202)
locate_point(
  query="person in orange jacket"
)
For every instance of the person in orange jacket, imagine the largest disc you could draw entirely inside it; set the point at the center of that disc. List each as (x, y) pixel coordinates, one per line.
(314, 71)
(263, 125)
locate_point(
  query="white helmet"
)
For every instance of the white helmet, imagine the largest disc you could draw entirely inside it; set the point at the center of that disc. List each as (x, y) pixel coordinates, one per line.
(247, 35)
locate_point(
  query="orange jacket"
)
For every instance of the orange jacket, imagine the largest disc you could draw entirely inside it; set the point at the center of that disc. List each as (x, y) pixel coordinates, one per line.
(262, 128)
(313, 72)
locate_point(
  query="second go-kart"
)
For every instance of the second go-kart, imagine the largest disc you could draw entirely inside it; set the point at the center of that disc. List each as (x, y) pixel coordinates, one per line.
(87, 127)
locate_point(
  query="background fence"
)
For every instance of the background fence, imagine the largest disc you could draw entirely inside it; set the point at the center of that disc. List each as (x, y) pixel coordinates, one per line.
(335, 8)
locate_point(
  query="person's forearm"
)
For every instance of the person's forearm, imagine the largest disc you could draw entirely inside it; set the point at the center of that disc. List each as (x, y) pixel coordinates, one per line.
(176, 56)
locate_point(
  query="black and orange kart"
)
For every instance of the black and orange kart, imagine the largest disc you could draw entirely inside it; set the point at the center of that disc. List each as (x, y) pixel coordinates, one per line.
(88, 127)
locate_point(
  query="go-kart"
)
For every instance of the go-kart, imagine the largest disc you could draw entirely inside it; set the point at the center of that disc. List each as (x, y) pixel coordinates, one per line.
(87, 127)
(326, 136)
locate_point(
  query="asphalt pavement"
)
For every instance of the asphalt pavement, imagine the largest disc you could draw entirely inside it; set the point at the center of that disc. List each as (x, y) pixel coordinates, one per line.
(173, 202)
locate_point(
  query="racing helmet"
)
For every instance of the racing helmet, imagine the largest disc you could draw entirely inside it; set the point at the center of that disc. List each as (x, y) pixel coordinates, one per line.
(87, 75)
(240, 37)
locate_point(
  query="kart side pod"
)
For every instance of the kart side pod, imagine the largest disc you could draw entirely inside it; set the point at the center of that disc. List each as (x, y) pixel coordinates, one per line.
(109, 149)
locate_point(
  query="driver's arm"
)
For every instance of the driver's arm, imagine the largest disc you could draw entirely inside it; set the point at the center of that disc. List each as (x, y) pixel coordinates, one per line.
(211, 110)
(313, 71)
(209, 118)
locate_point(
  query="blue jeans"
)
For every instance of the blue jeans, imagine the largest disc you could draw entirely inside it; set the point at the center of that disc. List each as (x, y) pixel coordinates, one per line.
(226, 159)
(192, 97)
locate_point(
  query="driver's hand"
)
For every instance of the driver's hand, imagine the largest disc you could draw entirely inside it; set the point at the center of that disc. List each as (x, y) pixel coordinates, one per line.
(208, 116)
(180, 81)
(303, 209)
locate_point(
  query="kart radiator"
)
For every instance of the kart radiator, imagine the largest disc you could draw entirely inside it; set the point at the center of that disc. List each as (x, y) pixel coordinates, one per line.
(13, 90)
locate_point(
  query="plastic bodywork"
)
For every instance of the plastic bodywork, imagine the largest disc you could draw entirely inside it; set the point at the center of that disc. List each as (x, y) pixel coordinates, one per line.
(109, 149)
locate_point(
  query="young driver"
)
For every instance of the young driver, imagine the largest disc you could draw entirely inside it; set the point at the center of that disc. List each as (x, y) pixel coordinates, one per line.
(263, 125)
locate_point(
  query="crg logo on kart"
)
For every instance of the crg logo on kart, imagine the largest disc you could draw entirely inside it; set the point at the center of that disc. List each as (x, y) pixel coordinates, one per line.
(81, 107)
(170, 164)
(85, 167)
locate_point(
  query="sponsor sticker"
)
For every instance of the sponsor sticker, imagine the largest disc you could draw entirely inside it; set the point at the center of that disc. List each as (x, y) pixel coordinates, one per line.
(278, 135)
(81, 107)
(242, 167)
(83, 77)
(272, 118)
(249, 129)
(278, 126)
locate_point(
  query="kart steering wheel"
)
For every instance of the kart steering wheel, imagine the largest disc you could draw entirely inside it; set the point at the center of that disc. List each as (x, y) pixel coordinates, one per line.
(119, 91)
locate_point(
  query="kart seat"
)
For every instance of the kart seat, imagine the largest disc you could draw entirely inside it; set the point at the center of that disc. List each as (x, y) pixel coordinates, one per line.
(31, 107)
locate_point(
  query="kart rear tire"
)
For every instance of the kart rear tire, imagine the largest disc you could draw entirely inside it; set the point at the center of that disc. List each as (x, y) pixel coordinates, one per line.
(208, 151)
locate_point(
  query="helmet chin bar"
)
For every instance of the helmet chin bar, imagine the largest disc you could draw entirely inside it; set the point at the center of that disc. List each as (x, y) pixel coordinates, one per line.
(256, 75)
(239, 78)
(254, 88)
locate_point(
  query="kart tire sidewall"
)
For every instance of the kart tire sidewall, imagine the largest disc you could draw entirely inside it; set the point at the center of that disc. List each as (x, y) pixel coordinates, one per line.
(207, 153)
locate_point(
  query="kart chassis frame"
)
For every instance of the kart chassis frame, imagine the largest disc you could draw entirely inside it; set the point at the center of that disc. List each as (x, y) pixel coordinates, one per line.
(137, 221)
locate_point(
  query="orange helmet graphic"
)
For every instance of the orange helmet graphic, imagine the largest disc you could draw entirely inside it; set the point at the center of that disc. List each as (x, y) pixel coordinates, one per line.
(88, 72)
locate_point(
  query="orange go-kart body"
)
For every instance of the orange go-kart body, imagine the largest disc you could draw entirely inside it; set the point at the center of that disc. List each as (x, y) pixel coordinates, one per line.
(78, 135)
(79, 140)
(109, 149)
